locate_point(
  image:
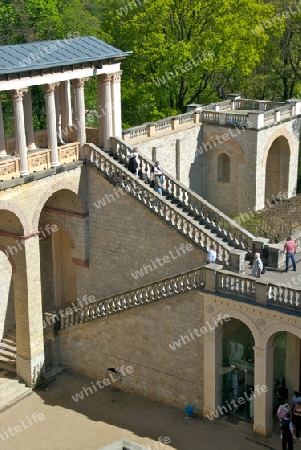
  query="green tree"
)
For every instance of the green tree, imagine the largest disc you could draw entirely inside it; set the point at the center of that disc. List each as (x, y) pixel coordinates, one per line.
(183, 50)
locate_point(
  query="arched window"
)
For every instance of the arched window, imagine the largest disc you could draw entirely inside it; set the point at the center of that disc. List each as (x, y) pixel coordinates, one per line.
(223, 169)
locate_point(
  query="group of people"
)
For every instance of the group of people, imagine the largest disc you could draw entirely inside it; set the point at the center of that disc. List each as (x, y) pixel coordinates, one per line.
(290, 422)
(156, 175)
(156, 181)
(290, 251)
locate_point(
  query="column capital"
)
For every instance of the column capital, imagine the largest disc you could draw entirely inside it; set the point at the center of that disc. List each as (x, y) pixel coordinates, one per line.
(116, 77)
(50, 88)
(17, 94)
(106, 77)
(79, 82)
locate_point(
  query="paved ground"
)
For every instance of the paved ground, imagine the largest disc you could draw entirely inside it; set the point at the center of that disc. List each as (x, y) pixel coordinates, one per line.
(291, 279)
(51, 420)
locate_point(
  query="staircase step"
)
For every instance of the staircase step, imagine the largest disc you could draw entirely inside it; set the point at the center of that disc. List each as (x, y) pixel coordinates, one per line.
(7, 353)
(11, 346)
(11, 392)
(9, 366)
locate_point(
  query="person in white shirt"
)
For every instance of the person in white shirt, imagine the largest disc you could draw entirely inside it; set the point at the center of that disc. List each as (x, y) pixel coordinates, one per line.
(211, 255)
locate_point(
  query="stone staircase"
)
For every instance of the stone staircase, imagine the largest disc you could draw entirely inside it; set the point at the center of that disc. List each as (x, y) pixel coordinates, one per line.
(12, 391)
(8, 352)
(182, 208)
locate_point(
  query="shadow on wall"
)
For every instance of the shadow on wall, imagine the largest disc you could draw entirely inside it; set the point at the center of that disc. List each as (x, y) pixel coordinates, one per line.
(196, 175)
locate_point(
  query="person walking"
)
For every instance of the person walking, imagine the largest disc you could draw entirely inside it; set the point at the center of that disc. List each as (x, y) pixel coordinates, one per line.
(257, 266)
(158, 178)
(288, 435)
(211, 255)
(290, 249)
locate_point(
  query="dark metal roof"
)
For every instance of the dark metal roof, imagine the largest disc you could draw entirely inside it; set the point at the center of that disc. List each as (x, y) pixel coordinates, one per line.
(50, 54)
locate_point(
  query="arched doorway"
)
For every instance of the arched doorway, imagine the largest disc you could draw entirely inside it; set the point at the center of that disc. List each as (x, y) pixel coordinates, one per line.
(277, 169)
(59, 223)
(287, 373)
(238, 369)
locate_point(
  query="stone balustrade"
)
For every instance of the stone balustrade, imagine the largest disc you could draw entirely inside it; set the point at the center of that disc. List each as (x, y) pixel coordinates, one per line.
(209, 278)
(207, 215)
(161, 127)
(131, 299)
(38, 160)
(254, 114)
(168, 211)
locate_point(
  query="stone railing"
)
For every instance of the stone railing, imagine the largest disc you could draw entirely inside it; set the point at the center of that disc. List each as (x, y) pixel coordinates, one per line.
(260, 290)
(134, 298)
(38, 160)
(163, 126)
(206, 214)
(193, 229)
(210, 278)
(255, 113)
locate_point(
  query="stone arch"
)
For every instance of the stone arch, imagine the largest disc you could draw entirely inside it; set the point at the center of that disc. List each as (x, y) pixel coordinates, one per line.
(245, 319)
(58, 186)
(15, 209)
(270, 331)
(279, 132)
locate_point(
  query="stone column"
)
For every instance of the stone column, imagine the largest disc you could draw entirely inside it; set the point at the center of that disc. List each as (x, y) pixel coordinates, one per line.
(100, 110)
(178, 156)
(66, 109)
(212, 363)
(20, 130)
(51, 123)
(107, 109)
(28, 311)
(116, 104)
(28, 121)
(263, 401)
(2, 136)
(80, 114)
(58, 114)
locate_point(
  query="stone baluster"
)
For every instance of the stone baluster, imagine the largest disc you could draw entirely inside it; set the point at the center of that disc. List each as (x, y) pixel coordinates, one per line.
(51, 122)
(20, 129)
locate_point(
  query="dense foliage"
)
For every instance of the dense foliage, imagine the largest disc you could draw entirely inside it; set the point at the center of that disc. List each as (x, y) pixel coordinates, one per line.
(184, 51)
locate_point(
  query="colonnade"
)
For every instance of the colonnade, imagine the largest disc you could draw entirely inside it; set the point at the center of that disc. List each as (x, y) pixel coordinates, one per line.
(61, 115)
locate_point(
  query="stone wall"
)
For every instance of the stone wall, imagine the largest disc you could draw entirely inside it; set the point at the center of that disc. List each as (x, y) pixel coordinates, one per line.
(126, 237)
(140, 338)
(165, 145)
(197, 162)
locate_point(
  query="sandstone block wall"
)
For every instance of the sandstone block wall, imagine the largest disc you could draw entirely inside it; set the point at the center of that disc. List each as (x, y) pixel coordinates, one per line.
(126, 237)
(140, 338)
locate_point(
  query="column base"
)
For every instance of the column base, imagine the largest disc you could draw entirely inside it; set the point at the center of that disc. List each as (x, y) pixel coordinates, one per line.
(3, 153)
(30, 369)
(259, 430)
(55, 164)
(31, 146)
(24, 174)
(209, 412)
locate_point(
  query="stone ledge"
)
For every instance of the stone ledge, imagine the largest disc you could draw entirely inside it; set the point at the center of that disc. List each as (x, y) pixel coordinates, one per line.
(8, 184)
